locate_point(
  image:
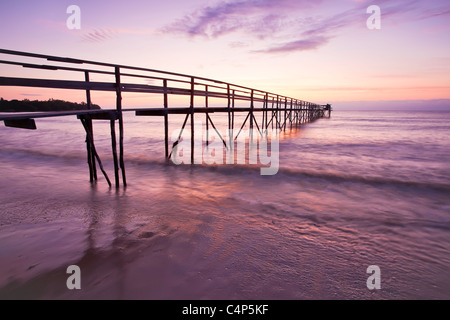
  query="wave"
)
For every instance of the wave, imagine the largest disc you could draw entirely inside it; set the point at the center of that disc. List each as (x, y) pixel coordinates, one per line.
(39, 155)
(337, 177)
(236, 170)
(293, 174)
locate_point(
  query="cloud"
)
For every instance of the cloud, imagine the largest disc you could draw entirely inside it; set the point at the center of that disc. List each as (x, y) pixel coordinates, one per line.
(315, 32)
(254, 16)
(298, 45)
(296, 25)
(104, 34)
(98, 35)
(263, 20)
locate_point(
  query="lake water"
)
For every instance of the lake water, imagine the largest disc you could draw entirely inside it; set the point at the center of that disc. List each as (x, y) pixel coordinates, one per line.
(358, 189)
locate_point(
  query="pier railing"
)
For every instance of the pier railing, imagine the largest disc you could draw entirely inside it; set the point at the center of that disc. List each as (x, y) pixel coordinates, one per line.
(278, 111)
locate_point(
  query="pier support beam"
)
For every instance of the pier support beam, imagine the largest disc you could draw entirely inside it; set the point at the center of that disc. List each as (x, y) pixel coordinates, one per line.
(114, 151)
(166, 121)
(120, 116)
(90, 139)
(90, 154)
(192, 120)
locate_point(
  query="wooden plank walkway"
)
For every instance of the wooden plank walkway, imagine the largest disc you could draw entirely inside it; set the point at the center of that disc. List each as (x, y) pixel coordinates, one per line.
(278, 112)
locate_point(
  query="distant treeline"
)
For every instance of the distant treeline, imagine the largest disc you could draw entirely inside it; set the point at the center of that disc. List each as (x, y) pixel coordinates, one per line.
(36, 105)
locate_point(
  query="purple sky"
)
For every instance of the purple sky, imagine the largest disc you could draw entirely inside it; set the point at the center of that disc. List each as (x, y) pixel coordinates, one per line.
(320, 51)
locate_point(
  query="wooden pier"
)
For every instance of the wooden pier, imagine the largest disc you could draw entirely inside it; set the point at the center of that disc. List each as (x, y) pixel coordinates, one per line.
(276, 111)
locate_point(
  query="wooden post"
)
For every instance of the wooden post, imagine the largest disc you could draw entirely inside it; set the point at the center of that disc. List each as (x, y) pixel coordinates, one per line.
(120, 116)
(273, 103)
(232, 127)
(192, 120)
(207, 115)
(230, 133)
(94, 152)
(114, 150)
(266, 100)
(251, 113)
(90, 156)
(166, 121)
(309, 112)
(276, 117)
(301, 112)
(295, 112)
(305, 113)
(290, 114)
(232, 112)
(263, 113)
(88, 92)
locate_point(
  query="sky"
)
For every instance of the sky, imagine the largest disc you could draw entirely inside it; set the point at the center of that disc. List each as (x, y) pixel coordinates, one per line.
(316, 50)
